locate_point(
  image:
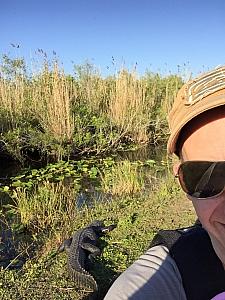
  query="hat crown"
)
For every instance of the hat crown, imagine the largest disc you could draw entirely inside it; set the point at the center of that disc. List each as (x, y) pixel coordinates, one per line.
(196, 96)
(205, 85)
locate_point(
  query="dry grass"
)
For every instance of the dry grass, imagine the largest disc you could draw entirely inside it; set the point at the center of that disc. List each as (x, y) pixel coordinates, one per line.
(51, 99)
(12, 100)
(47, 206)
(123, 179)
(121, 108)
(46, 96)
(127, 108)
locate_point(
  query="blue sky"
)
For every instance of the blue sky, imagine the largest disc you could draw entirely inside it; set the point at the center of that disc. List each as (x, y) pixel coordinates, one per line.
(158, 35)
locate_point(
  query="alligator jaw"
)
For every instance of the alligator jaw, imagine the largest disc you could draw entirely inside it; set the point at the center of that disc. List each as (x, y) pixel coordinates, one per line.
(109, 228)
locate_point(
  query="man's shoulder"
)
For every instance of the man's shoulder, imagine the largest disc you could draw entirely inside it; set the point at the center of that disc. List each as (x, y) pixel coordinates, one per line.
(153, 276)
(171, 237)
(196, 260)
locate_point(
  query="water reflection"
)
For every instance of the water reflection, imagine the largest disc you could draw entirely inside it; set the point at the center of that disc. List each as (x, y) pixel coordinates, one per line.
(144, 153)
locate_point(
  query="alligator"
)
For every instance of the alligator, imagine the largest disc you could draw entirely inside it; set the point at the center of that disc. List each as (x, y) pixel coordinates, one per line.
(82, 250)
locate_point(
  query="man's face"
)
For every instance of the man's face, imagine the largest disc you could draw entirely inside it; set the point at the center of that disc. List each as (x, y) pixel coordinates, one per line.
(206, 141)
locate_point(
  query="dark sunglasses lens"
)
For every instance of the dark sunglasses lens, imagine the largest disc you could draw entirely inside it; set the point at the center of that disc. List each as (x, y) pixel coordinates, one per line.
(202, 179)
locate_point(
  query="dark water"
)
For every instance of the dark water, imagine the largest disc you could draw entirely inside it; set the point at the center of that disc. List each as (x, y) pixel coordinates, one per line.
(143, 154)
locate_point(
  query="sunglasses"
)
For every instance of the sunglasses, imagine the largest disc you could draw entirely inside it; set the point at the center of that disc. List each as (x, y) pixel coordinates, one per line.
(202, 179)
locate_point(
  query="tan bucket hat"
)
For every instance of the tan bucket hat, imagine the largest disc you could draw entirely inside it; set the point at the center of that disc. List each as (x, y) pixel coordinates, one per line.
(196, 96)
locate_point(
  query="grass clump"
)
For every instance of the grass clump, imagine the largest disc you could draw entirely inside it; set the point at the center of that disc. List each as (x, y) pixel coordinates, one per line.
(122, 179)
(45, 206)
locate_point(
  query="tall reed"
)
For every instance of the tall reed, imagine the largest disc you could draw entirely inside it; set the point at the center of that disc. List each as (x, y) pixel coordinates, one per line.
(127, 106)
(87, 111)
(51, 95)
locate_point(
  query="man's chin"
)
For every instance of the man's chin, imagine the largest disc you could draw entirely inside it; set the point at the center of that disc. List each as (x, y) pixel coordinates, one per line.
(219, 245)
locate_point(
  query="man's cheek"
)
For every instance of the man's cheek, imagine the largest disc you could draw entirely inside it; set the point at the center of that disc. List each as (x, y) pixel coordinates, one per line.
(203, 211)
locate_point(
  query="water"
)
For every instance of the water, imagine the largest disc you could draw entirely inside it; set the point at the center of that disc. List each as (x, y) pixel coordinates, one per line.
(143, 154)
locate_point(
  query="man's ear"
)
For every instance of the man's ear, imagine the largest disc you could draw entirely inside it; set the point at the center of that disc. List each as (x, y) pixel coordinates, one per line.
(175, 168)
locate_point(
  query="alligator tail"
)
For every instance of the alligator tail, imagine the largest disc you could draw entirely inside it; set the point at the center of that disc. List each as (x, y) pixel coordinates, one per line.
(84, 280)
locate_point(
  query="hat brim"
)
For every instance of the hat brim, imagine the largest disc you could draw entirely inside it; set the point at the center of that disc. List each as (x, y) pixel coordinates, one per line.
(184, 115)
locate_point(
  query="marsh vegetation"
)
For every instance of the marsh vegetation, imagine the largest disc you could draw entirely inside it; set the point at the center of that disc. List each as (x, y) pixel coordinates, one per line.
(71, 151)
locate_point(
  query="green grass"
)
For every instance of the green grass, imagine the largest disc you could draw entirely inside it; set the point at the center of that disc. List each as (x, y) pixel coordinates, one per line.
(138, 216)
